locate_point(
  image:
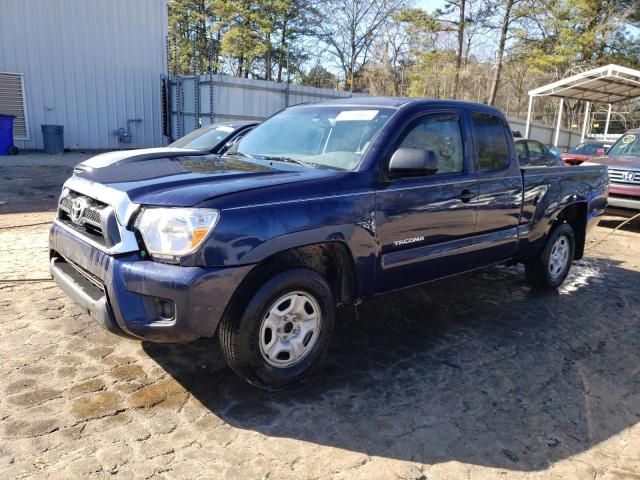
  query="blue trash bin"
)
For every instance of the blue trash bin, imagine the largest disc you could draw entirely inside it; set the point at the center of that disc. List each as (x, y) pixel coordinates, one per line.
(6, 134)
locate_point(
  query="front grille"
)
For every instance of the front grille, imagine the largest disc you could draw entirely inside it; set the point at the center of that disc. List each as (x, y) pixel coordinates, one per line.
(624, 176)
(92, 219)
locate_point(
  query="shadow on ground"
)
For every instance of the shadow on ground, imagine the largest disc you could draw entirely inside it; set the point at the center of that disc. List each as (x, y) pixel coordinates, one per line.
(477, 369)
(31, 188)
(613, 222)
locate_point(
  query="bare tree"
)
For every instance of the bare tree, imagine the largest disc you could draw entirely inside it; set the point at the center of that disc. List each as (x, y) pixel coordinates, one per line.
(507, 18)
(461, 7)
(351, 29)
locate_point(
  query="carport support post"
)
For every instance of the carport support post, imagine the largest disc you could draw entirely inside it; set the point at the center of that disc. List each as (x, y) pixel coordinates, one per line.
(606, 125)
(555, 142)
(529, 111)
(584, 122)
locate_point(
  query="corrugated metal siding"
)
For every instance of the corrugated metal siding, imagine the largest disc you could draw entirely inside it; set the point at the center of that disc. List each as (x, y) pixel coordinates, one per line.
(89, 65)
(235, 98)
(546, 133)
(12, 103)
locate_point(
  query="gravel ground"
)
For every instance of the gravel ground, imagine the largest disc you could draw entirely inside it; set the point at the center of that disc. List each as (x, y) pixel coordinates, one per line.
(475, 377)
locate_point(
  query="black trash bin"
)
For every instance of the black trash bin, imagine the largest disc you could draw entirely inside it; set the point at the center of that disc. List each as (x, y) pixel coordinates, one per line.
(53, 136)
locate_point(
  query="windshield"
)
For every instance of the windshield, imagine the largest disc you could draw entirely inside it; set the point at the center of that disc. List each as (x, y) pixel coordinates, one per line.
(321, 136)
(203, 138)
(588, 148)
(628, 144)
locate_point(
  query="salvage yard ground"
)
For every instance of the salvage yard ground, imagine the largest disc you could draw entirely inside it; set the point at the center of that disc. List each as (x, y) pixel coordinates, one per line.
(475, 377)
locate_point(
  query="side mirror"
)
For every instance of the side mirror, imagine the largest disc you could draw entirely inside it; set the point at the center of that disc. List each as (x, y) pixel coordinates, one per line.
(601, 152)
(407, 162)
(227, 146)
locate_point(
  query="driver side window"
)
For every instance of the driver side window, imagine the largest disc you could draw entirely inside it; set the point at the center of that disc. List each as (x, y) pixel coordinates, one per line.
(521, 148)
(442, 135)
(536, 152)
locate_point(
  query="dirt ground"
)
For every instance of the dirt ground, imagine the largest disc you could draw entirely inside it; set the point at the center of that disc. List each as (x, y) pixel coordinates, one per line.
(475, 377)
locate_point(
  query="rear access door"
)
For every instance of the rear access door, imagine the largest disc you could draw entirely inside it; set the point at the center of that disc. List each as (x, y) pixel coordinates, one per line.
(500, 190)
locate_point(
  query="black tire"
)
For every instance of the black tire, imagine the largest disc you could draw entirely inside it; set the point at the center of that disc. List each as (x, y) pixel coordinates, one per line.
(13, 150)
(538, 270)
(240, 333)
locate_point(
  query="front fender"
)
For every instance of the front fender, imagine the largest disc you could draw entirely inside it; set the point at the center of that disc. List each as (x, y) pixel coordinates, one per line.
(252, 234)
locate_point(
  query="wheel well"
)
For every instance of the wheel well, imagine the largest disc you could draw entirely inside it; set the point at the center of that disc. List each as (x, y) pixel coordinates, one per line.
(576, 216)
(332, 260)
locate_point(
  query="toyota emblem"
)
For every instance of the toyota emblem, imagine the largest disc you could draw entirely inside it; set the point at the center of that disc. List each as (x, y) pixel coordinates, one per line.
(78, 206)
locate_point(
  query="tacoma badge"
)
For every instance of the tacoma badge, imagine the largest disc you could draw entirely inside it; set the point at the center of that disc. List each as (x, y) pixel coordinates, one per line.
(397, 243)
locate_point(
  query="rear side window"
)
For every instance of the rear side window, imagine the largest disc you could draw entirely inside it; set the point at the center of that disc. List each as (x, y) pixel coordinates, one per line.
(491, 142)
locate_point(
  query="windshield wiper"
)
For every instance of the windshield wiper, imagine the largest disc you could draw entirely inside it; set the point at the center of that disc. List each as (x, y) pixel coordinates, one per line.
(288, 160)
(236, 154)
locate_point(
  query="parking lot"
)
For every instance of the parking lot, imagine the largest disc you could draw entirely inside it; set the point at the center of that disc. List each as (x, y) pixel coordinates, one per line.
(475, 377)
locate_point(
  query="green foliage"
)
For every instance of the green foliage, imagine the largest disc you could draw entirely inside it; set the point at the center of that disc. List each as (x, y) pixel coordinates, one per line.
(319, 77)
(241, 37)
(495, 51)
(192, 38)
(557, 34)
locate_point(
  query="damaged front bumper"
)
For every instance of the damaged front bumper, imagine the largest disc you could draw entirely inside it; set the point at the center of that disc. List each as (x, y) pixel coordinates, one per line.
(140, 298)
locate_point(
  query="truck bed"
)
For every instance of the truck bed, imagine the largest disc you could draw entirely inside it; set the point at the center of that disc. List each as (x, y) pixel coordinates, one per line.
(548, 190)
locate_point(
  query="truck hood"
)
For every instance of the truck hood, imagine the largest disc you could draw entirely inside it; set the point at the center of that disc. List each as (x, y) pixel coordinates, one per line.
(577, 156)
(119, 157)
(183, 178)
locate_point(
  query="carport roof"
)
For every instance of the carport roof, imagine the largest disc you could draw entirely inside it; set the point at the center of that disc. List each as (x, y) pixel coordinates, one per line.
(608, 84)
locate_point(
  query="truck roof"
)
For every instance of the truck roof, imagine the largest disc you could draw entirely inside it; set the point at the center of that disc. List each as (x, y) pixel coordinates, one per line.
(238, 124)
(402, 102)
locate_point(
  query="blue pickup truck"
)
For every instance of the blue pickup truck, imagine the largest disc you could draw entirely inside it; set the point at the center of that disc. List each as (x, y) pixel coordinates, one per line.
(319, 206)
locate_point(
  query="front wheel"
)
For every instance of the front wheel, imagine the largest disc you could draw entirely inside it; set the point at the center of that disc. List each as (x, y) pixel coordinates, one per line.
(283, 332)
(551, 268)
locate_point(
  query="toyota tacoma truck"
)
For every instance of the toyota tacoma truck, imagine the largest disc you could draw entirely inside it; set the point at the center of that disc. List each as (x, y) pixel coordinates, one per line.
(319, 206)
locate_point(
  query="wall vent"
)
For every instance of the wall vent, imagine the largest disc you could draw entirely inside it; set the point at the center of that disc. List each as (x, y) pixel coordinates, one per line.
(12, 103)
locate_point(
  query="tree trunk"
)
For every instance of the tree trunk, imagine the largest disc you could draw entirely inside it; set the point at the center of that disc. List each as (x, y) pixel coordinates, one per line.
(240, 65)
(353, 61)
(216, 52)
(267, 59)
(456, 79)
(500, 54)
(281, 59)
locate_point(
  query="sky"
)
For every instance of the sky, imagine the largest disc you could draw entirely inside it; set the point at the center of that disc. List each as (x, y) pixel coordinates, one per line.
(430, 5)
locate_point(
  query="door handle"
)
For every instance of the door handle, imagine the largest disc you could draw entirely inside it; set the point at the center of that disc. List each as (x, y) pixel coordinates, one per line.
(466, 196)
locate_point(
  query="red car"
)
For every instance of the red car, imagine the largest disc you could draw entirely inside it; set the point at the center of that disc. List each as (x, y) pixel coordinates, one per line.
(585, 151)
(623, 160)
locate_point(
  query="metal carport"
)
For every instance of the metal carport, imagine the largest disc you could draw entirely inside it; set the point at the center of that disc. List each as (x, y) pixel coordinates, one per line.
(609, 84)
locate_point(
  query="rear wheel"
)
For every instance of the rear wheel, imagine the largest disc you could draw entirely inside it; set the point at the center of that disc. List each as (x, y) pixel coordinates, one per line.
(283, 332)
(551, 268)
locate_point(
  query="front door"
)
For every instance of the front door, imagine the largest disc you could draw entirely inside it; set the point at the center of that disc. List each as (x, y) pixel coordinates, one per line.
(426, 224)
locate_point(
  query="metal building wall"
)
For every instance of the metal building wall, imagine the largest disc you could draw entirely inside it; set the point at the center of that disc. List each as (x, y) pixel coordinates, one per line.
(90, 65)
(201, 100)
(545, 133)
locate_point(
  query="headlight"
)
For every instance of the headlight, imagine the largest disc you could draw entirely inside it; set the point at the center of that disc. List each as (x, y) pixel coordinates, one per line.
(170, 233)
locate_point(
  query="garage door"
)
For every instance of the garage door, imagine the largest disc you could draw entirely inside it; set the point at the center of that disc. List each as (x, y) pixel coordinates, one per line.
(12, 103)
